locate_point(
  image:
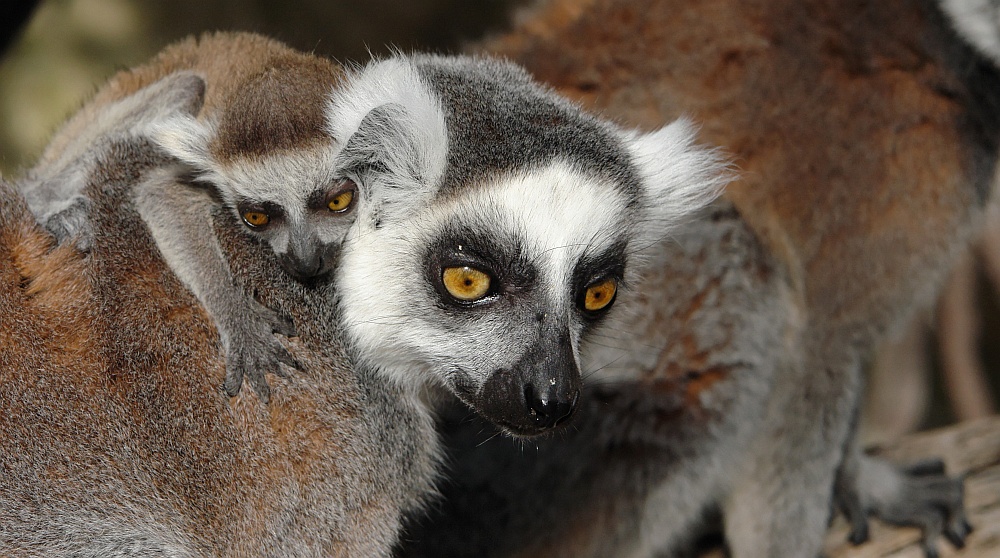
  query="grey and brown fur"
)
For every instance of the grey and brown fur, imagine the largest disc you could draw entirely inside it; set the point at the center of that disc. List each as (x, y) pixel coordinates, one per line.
(866, 135)
(116, 441)
(259, 140)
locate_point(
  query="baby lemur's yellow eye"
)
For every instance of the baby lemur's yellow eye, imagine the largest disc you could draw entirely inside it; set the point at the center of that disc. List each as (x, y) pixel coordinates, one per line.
(465, 283)
(256, 219)
(341, 196)
(341, 201)
(599, 295)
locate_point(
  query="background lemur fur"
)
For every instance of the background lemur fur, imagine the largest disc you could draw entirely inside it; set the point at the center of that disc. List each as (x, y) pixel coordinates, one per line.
(866, 137)
(258, 147)
(114, 443)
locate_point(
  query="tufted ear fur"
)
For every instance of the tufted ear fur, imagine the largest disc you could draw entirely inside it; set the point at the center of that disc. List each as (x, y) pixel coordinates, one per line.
(679, 177)
(188, 139)
(392, 127)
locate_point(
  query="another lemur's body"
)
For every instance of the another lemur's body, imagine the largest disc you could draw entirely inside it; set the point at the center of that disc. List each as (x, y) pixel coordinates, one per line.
(258, 147)
(116, 443)
(866, 136)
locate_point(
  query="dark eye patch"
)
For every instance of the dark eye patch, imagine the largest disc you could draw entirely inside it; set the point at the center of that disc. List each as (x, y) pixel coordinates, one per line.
(273, 210)
(502, 259)
(320, 198)
(592, 268)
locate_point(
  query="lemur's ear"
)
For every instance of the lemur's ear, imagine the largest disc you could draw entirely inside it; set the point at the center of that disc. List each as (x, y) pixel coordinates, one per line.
(186, 139)
(182, 135)
(392, 131)
(178, 93)
(679, 176)
(177, 96)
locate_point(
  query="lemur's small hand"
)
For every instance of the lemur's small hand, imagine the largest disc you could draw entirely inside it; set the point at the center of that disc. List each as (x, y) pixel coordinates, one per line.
(252, 350)
(72, 222)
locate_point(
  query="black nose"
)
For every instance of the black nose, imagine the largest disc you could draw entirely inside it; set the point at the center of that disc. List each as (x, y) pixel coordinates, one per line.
(302, 268)
(547, 409)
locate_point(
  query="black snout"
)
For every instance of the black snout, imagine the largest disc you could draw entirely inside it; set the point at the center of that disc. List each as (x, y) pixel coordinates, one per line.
(302, 266)
(549, 409)
(539, 393)
(309, 262)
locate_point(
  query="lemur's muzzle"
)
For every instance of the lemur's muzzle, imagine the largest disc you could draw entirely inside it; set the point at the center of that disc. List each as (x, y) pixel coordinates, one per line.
(539, 393)
(310, 259)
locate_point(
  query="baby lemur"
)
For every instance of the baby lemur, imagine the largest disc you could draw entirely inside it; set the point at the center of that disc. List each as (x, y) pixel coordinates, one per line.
(114, 443)
(259, 147)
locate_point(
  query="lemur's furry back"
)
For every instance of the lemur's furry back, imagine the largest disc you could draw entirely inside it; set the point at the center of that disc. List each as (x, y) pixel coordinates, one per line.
(110, 357)
(867, 136)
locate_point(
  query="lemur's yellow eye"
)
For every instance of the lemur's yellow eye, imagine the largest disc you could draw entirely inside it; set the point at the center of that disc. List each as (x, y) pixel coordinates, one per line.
(256, 219)
(465, 283)
(340, 196)
(341, 201)
(599, 295)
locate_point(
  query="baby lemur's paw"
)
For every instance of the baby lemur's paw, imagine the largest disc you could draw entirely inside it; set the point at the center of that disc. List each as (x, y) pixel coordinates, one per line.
(72, 222)
(921, 496)
(252, 350)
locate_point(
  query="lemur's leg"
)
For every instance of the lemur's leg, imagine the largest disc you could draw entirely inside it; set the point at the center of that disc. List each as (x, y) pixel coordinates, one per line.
(179, 217)
(792, 463)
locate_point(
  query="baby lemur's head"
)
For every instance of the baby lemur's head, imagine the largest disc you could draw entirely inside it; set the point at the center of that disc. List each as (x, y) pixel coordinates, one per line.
(499, 228)
(268, 154)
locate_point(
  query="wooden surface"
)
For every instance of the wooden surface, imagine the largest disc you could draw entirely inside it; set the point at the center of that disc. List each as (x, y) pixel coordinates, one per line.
(971, 448)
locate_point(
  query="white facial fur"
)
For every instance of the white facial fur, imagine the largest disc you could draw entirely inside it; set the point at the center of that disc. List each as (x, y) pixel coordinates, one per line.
(978, 21)
(555, 213)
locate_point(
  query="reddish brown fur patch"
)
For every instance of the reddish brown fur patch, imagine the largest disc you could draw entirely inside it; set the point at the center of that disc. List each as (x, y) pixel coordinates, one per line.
(844, 118)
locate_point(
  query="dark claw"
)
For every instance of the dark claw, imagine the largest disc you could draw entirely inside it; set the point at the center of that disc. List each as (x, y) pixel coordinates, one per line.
(967, 527)
(929, 550)
(956, 534)
(859, 532)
